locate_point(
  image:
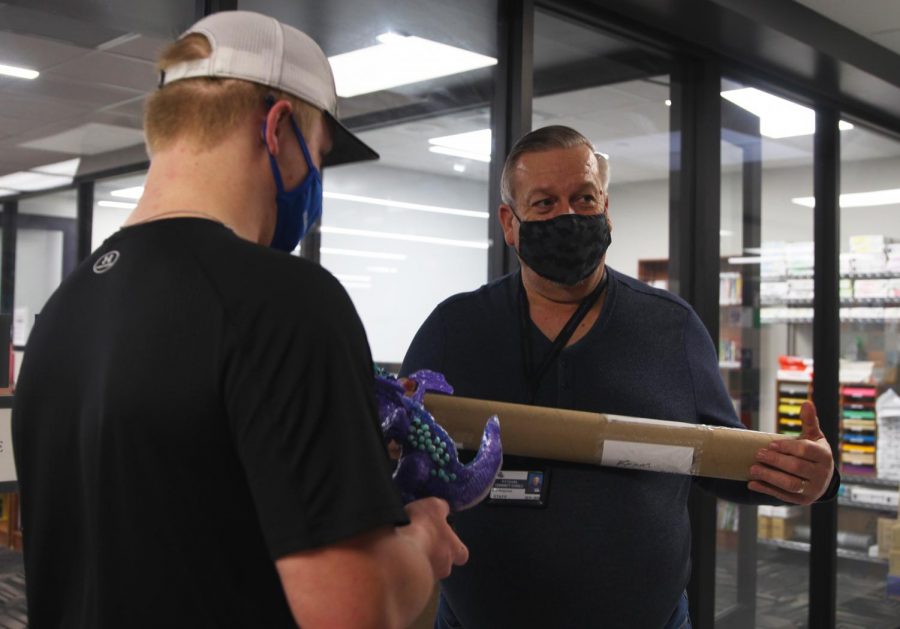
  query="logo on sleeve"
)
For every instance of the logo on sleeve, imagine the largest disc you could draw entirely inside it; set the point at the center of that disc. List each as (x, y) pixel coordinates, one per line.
(105, 262)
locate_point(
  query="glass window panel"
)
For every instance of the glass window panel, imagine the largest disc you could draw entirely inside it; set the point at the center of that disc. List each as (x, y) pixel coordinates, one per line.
(869, 346)
(765, 345)
(114, 200)
(616, 94)
(404, 233)
(46, 251)
(58, 204)
(411, 229)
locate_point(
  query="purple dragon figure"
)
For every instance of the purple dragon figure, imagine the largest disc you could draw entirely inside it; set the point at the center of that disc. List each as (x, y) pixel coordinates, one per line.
(428, 461)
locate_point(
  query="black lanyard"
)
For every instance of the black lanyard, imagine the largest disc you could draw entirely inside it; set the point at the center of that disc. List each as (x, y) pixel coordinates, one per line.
(533, 376)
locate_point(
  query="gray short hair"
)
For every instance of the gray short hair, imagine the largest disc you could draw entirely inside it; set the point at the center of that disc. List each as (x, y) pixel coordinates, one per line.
(603, 170)
(546, 139)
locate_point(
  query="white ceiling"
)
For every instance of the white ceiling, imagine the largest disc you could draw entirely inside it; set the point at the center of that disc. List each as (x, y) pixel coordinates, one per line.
(878, 20)
(85, 101)
(89, 99)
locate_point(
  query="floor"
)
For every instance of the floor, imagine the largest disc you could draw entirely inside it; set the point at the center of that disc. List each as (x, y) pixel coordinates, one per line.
(781, 601)
(782, 586)
(13, 614)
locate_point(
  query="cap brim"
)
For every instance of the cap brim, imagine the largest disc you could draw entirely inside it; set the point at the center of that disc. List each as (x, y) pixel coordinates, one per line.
(346, 147)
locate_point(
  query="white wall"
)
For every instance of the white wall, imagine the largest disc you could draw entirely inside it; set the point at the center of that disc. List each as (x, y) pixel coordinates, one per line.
(107, 221)
(640, 218)
(38, 269)
(393, 305)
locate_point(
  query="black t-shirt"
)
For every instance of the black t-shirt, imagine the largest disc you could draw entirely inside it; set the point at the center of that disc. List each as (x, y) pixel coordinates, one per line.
(191, 407)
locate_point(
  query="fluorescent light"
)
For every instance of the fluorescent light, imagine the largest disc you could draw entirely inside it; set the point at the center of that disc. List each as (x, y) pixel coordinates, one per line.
(67, 168)
(745, 260)
(404, 205)
(443, 150)
(381, 269)
(779, 118)
(353, 278)
(668, 102)
(431, 240)
(117, 204)
(858, 199)
(24, 181)
(135, 192)
(471, 145)
(459, 168)
(726, 232)
(356, 253)
(19, 73)
(389, 38)
(399, 60)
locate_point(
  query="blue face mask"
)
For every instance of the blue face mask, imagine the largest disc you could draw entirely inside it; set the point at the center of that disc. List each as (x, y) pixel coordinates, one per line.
(299, 208)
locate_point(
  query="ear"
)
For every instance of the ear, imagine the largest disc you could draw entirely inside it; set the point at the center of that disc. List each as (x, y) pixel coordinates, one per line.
(506, 218)
(275, 117)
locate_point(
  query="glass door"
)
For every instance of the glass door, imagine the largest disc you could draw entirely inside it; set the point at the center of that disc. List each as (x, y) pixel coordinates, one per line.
(765, 342)
(868, 539)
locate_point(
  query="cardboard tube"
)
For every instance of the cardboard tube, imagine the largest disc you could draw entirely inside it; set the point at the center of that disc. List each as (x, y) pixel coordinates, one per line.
(600, 439)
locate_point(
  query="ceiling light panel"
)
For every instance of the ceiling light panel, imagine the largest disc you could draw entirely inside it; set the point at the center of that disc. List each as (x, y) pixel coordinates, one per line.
(399, 60)
(68, 168)
(19, 73)
(29, 181)
(471, 144)
(858, 199)
(779, 118)
(443, 150)
(404, 205)
(134, 192)
(122, 205)
(431, 240)
(356, 253)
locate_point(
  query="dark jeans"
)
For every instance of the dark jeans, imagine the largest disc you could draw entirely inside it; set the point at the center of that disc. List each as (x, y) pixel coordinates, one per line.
(680, 619)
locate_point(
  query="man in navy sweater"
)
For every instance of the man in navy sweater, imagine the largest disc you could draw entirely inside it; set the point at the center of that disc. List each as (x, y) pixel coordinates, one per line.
(597, 547)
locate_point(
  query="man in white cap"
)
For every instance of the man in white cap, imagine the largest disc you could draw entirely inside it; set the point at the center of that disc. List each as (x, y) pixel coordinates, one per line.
(194, 427)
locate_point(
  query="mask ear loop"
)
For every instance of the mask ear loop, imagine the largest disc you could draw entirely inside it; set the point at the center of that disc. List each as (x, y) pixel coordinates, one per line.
(276, 172)
(306, 155)
(270, 102)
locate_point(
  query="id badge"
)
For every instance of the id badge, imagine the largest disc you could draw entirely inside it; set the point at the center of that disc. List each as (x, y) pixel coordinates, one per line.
(520, 488)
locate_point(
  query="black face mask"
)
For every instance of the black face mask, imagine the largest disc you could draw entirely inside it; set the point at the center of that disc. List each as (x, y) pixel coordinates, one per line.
(566, 248)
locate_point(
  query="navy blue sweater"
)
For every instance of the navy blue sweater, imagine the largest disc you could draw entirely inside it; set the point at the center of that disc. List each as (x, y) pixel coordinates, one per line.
(612, 547)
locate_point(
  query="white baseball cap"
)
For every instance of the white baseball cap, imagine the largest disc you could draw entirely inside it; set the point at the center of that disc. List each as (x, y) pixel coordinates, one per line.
(259, 48)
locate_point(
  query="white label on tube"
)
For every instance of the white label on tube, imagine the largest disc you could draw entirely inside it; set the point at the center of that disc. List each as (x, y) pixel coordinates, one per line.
(647, 456)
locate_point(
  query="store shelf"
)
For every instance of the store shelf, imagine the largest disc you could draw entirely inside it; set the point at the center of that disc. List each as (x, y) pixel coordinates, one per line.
(878, 275)
(847, 502)
(854, 275)
(871, 481)
(856, 301)
(841, 552)
(765, 319)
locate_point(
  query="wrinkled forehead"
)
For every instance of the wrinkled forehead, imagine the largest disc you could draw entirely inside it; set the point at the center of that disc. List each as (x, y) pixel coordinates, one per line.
(557, 169)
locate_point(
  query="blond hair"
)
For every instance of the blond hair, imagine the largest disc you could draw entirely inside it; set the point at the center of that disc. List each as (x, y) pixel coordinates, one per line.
(204, 109)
